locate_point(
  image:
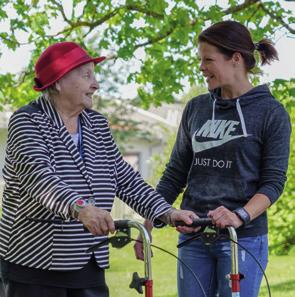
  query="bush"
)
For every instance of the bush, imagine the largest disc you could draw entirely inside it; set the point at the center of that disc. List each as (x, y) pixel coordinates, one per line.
(281, 214)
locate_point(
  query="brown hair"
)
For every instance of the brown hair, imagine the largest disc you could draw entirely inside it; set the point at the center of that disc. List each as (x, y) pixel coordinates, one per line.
(231, 36)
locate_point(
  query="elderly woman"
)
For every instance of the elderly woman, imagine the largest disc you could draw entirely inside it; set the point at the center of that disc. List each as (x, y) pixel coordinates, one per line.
(62, 172)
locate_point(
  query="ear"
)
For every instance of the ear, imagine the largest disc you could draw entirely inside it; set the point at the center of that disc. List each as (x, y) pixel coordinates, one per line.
(237, 58)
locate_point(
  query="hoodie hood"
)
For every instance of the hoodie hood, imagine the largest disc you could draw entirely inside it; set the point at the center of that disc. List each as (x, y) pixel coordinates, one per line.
(259, 92)
(249, 97)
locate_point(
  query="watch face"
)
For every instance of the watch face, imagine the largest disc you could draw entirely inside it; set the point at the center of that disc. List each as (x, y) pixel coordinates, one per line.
(80, 202)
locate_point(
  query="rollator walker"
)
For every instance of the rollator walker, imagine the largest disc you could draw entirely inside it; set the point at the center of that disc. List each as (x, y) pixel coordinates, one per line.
(122, 238)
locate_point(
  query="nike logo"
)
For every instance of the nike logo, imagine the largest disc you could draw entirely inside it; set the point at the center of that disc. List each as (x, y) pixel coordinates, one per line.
(206, 145)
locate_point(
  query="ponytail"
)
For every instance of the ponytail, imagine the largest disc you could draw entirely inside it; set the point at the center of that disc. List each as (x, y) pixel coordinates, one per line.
(267, 51)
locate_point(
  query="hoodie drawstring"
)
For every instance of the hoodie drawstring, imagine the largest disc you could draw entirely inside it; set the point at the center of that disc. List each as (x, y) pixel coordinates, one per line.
(239, 109)
(241, 116)
(213, 117)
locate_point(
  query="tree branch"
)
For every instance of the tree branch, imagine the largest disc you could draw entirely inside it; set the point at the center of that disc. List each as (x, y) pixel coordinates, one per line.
(230, 10)
(144, 11)
(156, 38)
(90, 25)
(61, 9)
(277, 18)
(240, 7)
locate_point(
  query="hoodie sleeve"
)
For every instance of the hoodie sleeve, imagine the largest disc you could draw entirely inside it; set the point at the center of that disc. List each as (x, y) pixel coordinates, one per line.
(275, 153)
(174, 178)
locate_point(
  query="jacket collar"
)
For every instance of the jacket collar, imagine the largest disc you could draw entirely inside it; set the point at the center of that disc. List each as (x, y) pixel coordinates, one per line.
(53, 115)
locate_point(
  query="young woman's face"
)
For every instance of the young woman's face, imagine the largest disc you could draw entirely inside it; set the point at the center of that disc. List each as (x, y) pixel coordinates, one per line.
(218, 69)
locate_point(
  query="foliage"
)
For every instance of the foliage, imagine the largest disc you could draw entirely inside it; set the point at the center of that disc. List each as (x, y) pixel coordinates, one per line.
(160, 34)
(281, 214)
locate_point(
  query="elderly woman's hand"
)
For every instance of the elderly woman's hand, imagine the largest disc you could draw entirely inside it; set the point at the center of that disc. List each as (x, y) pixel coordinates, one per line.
(98, 221)
(186, 216)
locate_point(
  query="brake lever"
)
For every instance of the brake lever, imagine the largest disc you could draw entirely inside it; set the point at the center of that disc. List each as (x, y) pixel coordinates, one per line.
(121, 238)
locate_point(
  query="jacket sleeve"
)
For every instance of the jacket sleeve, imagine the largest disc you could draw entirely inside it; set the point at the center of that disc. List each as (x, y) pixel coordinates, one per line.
(174, 178)
(133, 190)
(27, 159)
(276, 150)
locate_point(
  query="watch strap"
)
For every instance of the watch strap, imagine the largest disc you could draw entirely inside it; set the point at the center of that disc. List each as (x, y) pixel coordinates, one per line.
(242, 213)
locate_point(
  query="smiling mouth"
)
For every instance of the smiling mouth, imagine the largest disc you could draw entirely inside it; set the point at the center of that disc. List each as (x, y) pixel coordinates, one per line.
(89, 95)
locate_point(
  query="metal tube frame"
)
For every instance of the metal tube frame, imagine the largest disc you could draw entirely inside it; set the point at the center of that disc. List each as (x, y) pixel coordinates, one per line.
(147, 256)
(234, 276)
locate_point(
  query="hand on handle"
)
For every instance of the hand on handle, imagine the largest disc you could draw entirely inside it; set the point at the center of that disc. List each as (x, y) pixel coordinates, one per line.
(98, 221)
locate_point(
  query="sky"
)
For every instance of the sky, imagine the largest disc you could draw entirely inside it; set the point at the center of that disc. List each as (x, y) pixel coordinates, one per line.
(14, 62)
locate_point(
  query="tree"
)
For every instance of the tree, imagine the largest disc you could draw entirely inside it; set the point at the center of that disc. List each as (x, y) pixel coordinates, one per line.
(165, 30)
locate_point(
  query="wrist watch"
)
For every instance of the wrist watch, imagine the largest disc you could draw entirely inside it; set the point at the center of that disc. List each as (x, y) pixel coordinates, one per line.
(242, 213)
(77, 206)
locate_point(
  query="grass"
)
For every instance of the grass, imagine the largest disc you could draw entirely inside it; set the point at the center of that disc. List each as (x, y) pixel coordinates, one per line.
(280, 271)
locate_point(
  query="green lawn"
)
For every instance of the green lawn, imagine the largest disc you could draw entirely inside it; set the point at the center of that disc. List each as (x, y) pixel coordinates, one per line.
(280, 272)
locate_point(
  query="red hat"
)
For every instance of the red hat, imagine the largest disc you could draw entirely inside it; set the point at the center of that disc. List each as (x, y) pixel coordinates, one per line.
(57, 60)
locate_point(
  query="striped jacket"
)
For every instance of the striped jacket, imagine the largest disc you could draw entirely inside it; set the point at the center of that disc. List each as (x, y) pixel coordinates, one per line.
(44, 174)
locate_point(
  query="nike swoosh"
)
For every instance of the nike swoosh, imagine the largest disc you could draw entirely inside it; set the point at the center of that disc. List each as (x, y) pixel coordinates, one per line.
(206, 145)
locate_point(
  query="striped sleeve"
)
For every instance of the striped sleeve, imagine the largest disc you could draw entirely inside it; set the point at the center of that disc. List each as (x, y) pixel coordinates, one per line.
(133, 190)
(28, 158)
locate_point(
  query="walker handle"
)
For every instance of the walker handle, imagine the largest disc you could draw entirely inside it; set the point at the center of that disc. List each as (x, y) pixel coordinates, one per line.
(121, 224)
(200, 222)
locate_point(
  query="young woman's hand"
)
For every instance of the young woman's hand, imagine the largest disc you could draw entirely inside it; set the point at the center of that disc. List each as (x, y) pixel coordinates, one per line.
(223, 217)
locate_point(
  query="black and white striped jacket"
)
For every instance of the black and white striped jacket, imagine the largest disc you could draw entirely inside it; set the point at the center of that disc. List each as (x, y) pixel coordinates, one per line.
(44, 174)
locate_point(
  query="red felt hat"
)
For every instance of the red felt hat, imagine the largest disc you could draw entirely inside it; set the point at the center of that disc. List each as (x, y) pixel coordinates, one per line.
(57, 60)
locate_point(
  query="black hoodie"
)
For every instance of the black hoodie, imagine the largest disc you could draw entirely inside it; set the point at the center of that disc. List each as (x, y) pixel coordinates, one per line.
(227, 151)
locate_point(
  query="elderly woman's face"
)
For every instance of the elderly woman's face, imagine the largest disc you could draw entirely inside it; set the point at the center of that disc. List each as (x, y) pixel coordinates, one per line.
(78, 86)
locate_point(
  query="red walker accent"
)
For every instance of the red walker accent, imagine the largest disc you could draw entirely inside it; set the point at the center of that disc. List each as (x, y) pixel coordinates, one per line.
(149, 288)
(235, 282)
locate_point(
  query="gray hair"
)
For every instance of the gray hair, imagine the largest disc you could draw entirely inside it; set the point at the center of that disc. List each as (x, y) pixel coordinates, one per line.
(50, 92)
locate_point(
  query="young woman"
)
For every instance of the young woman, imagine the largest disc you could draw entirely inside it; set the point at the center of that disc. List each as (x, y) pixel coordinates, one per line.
(231, 154)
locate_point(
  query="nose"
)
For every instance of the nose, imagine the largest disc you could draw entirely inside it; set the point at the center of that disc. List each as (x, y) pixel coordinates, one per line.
(95, 84)
(202, 66)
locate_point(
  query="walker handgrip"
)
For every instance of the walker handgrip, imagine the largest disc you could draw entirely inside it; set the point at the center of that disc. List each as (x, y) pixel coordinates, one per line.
(201, 222)
(121, 224)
